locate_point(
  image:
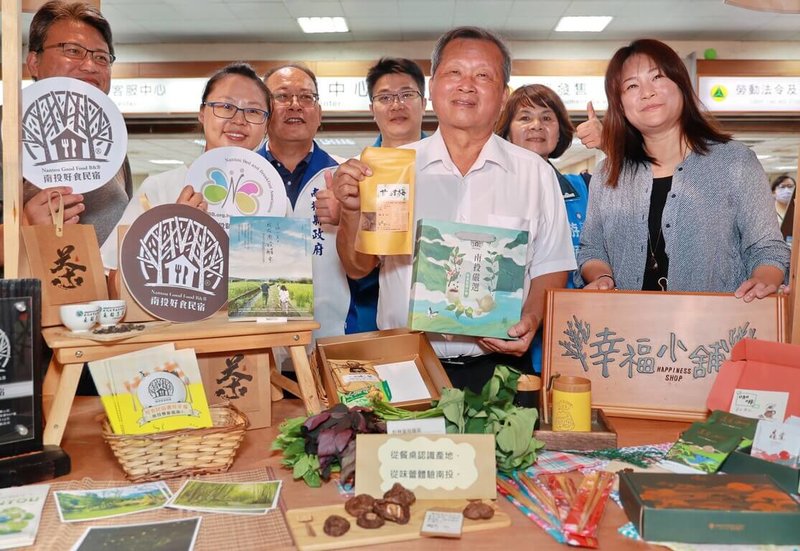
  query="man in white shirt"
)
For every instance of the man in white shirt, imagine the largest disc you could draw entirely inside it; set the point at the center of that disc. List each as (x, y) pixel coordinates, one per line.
(465, 173)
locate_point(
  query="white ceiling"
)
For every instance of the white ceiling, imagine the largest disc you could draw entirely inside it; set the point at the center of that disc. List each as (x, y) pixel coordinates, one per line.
(208, 21)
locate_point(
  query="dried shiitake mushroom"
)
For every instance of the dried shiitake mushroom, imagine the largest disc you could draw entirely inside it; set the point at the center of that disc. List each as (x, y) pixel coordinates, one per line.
(392, 511)
(477, 510)
(336, 526)
(401, 495)
(370, 520)
(359, 504)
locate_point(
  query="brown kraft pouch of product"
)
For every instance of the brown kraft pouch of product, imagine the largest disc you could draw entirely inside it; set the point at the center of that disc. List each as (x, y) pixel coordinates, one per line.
(387, 202)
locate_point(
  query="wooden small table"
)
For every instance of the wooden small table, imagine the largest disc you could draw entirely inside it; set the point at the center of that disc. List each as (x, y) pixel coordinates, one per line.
(209, 336)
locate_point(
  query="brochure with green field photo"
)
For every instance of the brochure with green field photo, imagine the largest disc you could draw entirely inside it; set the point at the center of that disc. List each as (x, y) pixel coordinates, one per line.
(227, 497)
(269, 274)
(83, 505)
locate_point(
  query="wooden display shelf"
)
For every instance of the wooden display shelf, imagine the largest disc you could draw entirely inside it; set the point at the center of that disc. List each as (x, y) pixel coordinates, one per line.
(213, 335)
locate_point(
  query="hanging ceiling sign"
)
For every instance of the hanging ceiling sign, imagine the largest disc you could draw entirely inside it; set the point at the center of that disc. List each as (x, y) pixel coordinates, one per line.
(336, 94)
(751, 94)
(72, 135)
(574, 91)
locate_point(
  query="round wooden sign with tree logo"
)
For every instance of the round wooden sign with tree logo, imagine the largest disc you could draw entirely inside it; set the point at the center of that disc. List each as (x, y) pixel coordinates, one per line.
(175, 263)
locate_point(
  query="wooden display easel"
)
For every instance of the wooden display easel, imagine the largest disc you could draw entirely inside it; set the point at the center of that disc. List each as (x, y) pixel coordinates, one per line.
(12, 144)
(213, 335)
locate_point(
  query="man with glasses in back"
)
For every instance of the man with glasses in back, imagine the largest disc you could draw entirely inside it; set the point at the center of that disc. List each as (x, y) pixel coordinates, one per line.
(396, 88)
(74, 40)
(295, 118)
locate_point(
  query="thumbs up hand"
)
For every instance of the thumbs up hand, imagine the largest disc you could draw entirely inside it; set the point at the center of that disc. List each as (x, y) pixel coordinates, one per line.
(590, 132)
(326, 204)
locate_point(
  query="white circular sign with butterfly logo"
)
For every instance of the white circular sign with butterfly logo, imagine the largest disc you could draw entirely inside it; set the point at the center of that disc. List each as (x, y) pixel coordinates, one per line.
(237, 182)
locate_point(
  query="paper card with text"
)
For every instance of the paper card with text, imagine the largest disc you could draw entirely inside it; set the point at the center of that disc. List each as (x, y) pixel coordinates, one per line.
(760, 404)
(777, 442)
(453, 466)
(433, 425)
(442, 524)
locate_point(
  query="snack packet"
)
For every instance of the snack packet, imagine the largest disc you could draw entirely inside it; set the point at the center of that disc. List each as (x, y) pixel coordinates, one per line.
(387, 202)
(357, 381)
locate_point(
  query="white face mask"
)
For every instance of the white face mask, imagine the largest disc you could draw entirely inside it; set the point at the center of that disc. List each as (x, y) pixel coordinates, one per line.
(784, 194)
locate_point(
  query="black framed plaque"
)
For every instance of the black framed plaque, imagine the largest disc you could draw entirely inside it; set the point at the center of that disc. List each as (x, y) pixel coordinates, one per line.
(20, 366)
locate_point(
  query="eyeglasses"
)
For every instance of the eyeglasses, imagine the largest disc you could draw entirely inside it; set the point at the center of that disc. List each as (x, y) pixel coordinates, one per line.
(306, 99)
(403, 97)
(228, 111)
(78, 52)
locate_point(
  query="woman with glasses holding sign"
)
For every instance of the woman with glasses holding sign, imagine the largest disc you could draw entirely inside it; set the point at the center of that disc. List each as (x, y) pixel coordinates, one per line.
(233, 112)
(677, 205)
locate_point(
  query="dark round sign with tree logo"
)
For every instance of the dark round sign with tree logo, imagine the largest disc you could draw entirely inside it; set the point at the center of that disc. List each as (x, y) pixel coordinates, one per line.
(174, 261)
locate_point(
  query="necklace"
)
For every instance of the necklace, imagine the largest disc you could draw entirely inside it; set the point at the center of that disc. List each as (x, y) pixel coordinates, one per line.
(652, 263)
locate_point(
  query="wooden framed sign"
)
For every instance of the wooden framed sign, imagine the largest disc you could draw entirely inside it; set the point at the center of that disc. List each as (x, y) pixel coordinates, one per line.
(651, 355)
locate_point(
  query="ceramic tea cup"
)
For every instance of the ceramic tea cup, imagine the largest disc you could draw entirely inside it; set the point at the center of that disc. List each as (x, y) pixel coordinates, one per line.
(79, 317)
(111, 311)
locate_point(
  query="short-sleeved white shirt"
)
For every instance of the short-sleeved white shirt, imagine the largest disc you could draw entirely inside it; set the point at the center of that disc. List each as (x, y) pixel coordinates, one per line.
(507, 186)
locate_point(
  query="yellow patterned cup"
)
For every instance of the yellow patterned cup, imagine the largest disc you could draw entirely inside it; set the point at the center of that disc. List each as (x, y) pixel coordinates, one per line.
(572, 404)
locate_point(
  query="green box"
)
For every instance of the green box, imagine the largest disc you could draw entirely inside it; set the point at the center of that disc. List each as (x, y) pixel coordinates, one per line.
(741, 462)
(727, 509)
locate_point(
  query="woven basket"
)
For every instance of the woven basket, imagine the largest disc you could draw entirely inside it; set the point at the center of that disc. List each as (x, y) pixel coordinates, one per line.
(183, 452)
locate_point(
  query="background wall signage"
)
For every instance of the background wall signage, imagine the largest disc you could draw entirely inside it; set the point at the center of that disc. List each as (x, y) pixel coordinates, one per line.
(751, 94)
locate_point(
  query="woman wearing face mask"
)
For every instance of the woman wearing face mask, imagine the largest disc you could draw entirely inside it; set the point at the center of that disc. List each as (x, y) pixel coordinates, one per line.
(233, 112)
(783, 190)
(677, 204)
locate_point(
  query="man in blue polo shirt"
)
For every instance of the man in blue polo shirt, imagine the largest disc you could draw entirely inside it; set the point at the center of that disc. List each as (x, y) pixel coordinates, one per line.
(295, 117)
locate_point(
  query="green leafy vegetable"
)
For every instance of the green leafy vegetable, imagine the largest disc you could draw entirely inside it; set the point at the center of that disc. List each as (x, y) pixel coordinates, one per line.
(490, 412)
(318, 445)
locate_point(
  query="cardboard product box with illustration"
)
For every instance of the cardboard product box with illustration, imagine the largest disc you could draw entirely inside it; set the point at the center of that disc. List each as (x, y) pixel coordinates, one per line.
(404, 360)
(760, 367)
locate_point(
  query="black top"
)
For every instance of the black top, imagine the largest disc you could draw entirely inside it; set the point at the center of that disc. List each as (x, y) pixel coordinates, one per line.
(656, 245)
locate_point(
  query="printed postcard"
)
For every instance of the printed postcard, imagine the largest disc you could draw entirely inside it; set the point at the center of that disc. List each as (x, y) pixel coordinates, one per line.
(270, 268)
(83, 505)
(227, 497)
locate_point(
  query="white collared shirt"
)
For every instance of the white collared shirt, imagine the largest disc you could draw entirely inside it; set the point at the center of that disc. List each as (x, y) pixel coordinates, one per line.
(507, 186)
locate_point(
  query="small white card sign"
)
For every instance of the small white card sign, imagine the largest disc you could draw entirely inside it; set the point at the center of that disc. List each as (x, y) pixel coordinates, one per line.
(760, 404)
(443, 524)
(454, 466)
(237, 182)
(404, 380)
(72, 135)
(433, 425)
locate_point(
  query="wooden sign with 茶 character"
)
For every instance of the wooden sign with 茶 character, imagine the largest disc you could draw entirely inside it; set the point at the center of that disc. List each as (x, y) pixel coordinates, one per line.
(649, 354)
